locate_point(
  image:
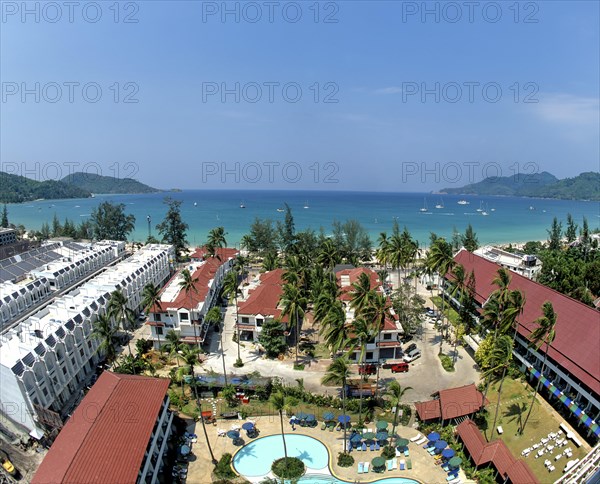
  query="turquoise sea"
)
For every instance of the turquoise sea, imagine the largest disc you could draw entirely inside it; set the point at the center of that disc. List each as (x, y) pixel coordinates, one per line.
(510, 219)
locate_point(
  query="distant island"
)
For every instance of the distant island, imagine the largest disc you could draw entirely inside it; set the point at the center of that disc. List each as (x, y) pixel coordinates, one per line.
(107, 184)
(585, 186)
(18, 189)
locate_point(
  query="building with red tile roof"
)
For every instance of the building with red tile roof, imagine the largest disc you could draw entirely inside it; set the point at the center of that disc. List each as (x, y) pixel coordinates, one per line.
(494, 453)
(223, 254)
(183, 311)
(117, 434)
(573, 365)
(261, 304)
(452, 404)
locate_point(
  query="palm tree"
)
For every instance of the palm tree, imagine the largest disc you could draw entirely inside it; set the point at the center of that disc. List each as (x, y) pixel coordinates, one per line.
(280, 403)
(118, 308)
(338, 374)
(105, 332)
(188, 285)
(395, 392)
(151, 299)
(215, 240)
(174, 344)
(378, 312)
(363, 333)
(329, 256)
(230, 288)
(333, 327)
(501, 355)
(544, 333)
(213, 316)
(382, 252)
(294, 305)
(361, 294)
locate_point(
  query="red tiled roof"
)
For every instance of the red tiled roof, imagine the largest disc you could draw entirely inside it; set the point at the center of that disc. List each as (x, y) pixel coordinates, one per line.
(106, 437)
(224, 254)
(353, 275)
(577, 327)
(264, 299)
(452, 403)
(496, 453)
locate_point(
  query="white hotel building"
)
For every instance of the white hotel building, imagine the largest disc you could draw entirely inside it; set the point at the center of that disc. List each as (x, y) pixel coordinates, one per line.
(47, 359)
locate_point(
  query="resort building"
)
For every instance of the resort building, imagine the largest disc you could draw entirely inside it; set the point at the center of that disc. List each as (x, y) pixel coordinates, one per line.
(261, 304)
(571, 381)
(183, 312)
(495, 454)
(387, 344)
(118, 433)
(7, 236)
(46, 360)
(526, 265)
(30, 278)
(452, 406)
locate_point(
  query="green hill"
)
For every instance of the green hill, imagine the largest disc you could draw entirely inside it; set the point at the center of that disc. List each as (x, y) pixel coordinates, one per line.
(582, 187)
(106, 184)
(16, 189)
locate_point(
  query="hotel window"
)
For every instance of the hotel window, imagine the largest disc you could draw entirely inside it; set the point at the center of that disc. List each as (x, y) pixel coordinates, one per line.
(159, 330)
(259, 322)
(184, 316)
(157, 317)
(387, 336)
(369, 355)
(245, 320)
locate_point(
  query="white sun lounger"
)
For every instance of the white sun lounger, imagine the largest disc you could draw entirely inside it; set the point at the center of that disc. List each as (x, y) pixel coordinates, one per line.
(421, 441)
(416, 437)
(366, 467)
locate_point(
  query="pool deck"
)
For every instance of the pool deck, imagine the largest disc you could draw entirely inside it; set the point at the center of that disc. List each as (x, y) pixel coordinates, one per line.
(423, 468)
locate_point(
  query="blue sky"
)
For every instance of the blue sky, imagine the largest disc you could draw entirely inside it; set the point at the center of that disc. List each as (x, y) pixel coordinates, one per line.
(376, 61)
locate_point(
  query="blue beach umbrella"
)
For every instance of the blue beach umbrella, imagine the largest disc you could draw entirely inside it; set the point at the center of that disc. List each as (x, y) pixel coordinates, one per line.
(344, 419)
(356, 438)
(440, 444)
(301, 415)
(248, 426)
(310, 418)
(448, 453)
(233, 434)
(433, 436)
(381, 435)
(328, 416)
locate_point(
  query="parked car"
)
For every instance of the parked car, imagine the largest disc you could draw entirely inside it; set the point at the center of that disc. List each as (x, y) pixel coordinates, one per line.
(369, 369)
(399, 368)
(410, 347)
(142, 316)
(412, 356)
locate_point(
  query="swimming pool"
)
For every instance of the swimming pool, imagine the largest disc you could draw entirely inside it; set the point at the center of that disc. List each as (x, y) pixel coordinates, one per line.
(254, 460)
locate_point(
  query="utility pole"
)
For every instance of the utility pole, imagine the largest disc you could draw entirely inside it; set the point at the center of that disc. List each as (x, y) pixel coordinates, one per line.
(149, 222)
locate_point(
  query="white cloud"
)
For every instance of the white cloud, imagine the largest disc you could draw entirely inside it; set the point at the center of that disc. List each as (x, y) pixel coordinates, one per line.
(568, 109)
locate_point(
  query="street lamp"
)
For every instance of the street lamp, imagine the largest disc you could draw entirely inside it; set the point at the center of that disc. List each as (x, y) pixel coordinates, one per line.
(149, 219)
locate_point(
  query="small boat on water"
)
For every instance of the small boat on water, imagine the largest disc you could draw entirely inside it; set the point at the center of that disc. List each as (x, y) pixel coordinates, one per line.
(463, 202)
(424, 207)
(306, 205)
(195, 204)
(531, 207)
(242, 205)
(280, 210)
(480, 209)
(440, 205)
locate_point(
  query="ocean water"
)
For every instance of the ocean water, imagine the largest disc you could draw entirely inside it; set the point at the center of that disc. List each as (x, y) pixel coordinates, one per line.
(510, 219)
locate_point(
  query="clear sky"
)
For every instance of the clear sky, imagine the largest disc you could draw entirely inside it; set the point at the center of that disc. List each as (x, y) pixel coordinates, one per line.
(387, 96)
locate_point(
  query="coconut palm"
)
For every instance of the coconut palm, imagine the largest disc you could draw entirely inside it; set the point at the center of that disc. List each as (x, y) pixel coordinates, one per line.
(394, 394)
(501, 355)
(544, 333)
(280, 403)
(230, 288)
(338, 373)
(329, 256)
(363, 333)
(188, 285)
(382, 252)
(294, 305)
(173, 344)
(105, 332)
(118, 308)
(333, 327)
(215, 240)
(189, 354)
(213, 316)
(361, 294)
(151, 299)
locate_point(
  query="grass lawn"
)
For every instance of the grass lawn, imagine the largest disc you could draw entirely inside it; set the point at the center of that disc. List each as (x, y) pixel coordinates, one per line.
(450, 313)
(514, 405)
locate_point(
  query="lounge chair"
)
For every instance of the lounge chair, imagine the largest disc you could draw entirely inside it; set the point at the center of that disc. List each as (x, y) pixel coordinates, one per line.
(408, 464)
(377, 446)
(359, 447)
(406, 454)
(372, 447)
(431, 451)
(364, 447)
(416, 437)
(324, 426)
(394, 463)
(451, 477)
(398, 453)
(366, 467)
(454, 481)
(389, 465)
(331, 428)
(421, 441)
(402, 464)
(360, 468)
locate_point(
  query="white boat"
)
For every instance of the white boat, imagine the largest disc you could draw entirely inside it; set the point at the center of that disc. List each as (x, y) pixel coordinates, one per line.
(531, 207)
(463, 202)
(440, 205)
(242, 205)
(306, 205)
(493, 209)
(485, 212)
(280, 210)
(195, 204)
(480, 209)
(424, 207)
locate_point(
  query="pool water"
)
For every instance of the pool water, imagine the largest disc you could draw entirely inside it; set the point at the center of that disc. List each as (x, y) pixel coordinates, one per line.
(254, 460)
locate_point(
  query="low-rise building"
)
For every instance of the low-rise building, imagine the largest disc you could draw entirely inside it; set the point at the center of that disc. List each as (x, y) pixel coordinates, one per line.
(452, 406)
(183, 312)
(571, 380)
(16, 299)
(7, 236)
(524, 264)
(46, 360)
(118, 434)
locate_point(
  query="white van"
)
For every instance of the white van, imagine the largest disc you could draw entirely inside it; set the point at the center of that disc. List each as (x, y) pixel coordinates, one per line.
(412, 356)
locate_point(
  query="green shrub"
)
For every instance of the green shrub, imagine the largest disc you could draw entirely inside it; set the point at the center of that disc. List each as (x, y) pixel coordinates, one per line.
(299, 367)
(238, 363)
(290, 468)
(388, 452)
(223, 468)
(447, 363)
(345, 460)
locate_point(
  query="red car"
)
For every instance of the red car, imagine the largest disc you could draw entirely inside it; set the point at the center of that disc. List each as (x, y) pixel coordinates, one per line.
(399, 367)
(367, 369)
